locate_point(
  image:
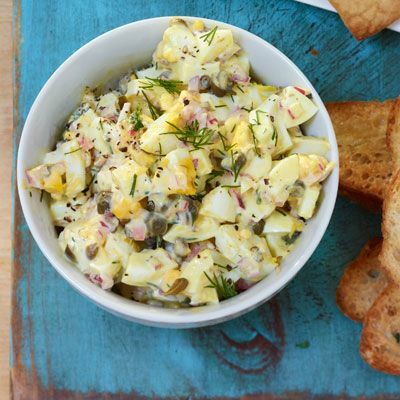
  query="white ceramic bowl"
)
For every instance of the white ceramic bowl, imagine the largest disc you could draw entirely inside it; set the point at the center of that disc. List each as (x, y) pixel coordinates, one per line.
(106, 57)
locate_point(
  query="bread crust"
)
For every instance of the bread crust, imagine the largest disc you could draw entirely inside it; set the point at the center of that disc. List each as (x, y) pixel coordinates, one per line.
(365, 163)
(365, 18)
(362, 282)
(380, 337)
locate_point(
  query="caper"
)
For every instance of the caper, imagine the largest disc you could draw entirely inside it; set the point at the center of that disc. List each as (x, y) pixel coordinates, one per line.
(70, 254)
(222, 84)
(150, 205)
(258, 227)
(157, 224)
(103, 202)
(91, 251)
(152, 242)
(193, 208)
(240, 160)
(130, 292)
(178, 286)
(204, 83)
(219, 92)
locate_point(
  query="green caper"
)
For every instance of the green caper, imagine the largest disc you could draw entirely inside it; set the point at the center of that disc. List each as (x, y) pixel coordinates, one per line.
(222, 85)
(258, 227)
(103, 200)
(204, 83)
(157, 224)
(219, 92)
(130, 292)
(240, 160)
(178, 286)
(70, 254)
(91, 251)
(150, 206)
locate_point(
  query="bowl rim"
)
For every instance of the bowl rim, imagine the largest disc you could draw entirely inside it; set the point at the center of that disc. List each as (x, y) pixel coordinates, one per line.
(183, 318)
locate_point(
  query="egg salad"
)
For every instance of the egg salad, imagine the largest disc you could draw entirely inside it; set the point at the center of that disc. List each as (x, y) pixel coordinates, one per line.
(187, 182)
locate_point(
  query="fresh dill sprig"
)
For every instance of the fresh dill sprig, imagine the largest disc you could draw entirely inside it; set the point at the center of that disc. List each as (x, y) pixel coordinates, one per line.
(191, 134)
(213, 174)
(236, 167)
(258, 115)
(230, 186)
(135, 120)
(224, 287)
(221, 105)
(171, 86)
(274, 135)
(73, 151)
(155, 113)
(255, 141)
(133, 187)
(154, 154)
(224, 140)
(209, 36)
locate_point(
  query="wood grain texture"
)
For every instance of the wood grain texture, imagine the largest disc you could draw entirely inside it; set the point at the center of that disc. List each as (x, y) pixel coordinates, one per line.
(64, 347)
(5, 189)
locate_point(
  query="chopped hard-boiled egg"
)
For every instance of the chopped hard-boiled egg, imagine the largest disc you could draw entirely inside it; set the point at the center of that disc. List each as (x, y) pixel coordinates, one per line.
(219, 204)
(147, 266)
(188, 182)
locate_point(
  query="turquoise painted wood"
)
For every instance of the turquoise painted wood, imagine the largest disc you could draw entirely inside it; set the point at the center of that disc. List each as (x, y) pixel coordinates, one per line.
(64, 347)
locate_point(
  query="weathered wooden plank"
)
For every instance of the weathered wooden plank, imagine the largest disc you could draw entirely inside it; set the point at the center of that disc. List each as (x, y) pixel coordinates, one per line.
(5, 189)
(66, 348)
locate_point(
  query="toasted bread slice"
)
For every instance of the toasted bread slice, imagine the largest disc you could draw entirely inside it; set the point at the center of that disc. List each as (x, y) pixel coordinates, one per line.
(366, 17)
(365, 162)
(362, 282)
(390, 253)
(380, 337)
(393, 134)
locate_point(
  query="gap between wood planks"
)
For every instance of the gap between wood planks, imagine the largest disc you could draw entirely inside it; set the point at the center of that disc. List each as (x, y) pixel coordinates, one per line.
(6, 151)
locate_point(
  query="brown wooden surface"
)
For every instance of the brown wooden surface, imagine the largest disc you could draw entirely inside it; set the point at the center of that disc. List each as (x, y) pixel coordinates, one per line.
(6, 108)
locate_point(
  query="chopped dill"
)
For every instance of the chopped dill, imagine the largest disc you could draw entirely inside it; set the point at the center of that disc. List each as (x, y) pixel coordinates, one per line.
(191, 134)
(171, 86)
(73, 151)
(225, 146)
(275, 135)
(254, 139)
(224, 287)
(236, 167)
(133, 187)
(213, 174)
(209, 36)
(153, 110)
(135, 120)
